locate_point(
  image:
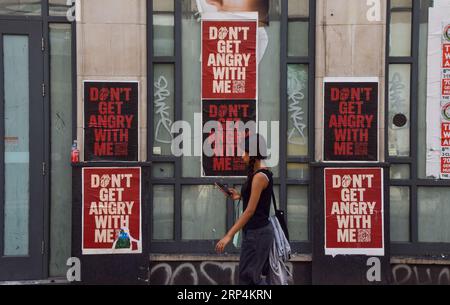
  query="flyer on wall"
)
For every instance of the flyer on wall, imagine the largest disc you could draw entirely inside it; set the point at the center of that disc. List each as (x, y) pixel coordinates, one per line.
(229, 88)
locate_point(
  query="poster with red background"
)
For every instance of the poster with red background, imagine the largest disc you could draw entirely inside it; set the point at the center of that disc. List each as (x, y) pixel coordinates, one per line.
(111, 211)
(446, 55)
(229, 59)
(354, 211)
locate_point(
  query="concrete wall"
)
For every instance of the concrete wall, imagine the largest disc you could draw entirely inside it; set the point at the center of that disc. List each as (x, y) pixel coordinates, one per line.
(349, 45)
(111, 45)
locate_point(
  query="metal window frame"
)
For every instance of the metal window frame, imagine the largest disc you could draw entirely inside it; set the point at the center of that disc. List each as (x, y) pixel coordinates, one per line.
(177, 245)
(46, 20)
(414, 247)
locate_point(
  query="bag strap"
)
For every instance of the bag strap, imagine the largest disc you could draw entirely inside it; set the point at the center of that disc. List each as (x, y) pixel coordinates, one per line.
(238, 205)
(274, 201)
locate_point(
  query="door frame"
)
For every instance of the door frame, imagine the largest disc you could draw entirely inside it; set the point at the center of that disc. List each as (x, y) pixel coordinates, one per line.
(35, 265)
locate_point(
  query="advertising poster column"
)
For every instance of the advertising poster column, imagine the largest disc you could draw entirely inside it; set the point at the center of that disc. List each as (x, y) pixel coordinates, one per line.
(229, 88)
(438, 93)
(349, 211)
(445, 102)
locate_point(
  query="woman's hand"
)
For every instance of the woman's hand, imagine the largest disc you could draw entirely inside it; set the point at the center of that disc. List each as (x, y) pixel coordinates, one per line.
(222, 244)
(235, 194)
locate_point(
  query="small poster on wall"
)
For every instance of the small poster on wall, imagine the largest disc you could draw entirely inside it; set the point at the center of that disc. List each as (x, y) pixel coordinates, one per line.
(225, 160)
(354, 213)
(350, 119)
(229, 56)
(111, 121)
(111, 211)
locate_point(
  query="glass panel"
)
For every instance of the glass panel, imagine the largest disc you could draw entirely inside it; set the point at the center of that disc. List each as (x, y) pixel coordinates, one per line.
(203, 212)
(163, 6)
(399, 213)
(20, 7)
(269, 69)
(401, 3)
(163, 34)
(298, 8)
(298, 37)
(163, 212)
(400, 27)
(434, 212)
(163, 108)
(58, 7)
(163, 170)
(298, 11)
(17, 151)
(399, 110)
(298, 171)
(400, 171)
(297, 110)
(297, 212)
(61, 135)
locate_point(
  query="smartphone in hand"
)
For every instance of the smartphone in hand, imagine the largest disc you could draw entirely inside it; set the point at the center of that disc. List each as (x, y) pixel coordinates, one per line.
(224, 189)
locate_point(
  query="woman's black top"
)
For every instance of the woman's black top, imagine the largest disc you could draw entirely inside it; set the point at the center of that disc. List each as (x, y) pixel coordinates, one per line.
(262, 213)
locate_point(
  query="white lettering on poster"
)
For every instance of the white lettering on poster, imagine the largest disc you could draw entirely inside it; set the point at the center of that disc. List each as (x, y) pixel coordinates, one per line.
(110, 212)
(228, 64)
(352, 211)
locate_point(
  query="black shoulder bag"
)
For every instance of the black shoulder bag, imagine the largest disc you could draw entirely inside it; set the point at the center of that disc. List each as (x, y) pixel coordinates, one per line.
(279, 214)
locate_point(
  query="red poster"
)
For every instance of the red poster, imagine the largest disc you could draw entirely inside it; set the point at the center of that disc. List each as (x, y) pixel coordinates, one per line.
(354, 211)
(111, 211)
(445, 134)
(445, 86)
(229, 59)
(446, 55)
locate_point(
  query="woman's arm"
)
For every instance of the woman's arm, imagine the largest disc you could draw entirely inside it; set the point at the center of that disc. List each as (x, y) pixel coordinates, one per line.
(259, 183)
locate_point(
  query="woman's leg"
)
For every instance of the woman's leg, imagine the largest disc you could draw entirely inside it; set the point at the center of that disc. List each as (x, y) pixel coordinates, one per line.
(255, 250)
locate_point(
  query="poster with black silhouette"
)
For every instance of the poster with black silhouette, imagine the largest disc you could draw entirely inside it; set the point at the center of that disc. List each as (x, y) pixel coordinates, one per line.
(111, 121)
(351, 119)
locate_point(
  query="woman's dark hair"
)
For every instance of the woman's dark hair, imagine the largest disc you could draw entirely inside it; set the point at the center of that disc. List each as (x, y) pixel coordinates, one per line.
(256, 148)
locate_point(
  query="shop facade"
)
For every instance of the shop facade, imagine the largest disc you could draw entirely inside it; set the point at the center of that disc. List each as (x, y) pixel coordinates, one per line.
(58, 57)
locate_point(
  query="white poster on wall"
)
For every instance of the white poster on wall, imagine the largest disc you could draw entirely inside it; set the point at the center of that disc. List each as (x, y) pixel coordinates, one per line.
(438, 93)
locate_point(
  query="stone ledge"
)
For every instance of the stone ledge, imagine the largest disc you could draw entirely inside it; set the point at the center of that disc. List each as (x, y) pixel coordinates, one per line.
(418, 261)
(212, 257)
(295, 258)
(50, 281)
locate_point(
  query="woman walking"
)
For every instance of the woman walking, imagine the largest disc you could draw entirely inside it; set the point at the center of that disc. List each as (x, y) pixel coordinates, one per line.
(254, 221)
